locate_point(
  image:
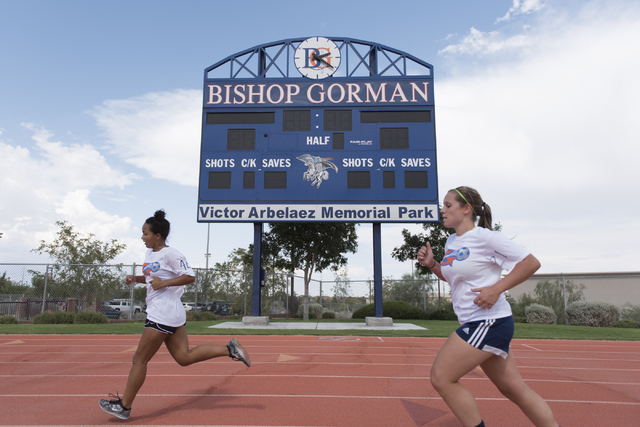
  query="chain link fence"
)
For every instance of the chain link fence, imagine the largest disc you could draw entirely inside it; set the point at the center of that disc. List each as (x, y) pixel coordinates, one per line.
(27, 290)
(557, 291)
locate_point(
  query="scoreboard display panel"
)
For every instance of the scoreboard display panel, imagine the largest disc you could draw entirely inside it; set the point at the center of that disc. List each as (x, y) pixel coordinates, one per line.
(318, 147)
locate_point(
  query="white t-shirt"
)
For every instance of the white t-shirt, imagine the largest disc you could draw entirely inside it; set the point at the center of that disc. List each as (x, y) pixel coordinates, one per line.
(164, 305)
(476, 260)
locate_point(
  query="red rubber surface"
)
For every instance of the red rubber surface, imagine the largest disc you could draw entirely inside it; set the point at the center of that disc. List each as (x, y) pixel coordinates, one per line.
(306, 381)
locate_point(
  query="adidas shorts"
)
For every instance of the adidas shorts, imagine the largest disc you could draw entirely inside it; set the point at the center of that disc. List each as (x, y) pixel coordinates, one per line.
(160, 327)
(491, 335)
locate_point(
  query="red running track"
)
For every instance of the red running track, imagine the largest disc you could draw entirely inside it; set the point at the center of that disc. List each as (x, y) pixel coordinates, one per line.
(57, 380)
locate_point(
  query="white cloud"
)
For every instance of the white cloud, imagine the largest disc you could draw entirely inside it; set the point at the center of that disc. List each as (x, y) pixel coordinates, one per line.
(52, 182)
(551, 141)
(480, 43)
(72, 166)
(521, 7)
(157, 132)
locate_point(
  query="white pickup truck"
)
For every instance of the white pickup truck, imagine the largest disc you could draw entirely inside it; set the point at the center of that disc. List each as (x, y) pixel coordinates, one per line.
(124, 306)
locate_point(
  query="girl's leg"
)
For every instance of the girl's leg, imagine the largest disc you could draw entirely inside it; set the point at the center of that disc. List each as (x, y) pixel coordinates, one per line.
(178, 346)
(455, 359)
(150, 342)
(504, 374)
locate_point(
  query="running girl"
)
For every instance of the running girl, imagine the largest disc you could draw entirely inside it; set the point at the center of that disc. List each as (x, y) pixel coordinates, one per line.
(473, 262)
(165, 271)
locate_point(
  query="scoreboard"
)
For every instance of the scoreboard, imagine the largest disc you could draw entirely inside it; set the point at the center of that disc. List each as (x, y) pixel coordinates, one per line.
(319, 142)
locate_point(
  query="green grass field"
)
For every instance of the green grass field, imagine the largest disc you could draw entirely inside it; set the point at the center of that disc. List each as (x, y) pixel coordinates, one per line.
(435, 328)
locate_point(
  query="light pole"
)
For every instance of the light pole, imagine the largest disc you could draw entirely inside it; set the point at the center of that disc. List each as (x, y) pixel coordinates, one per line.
(206, 266)
(291, 275)
(207, 255)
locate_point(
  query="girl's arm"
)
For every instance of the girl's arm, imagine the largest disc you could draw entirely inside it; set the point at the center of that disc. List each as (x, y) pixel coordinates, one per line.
(425, 257)
(521, 272)
(157, 283)
(131, 279)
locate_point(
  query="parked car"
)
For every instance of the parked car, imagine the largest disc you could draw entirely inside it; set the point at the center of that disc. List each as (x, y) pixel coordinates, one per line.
(219, 308)
(124, 306)
(109, 311)
(188, 306)
(199, 307)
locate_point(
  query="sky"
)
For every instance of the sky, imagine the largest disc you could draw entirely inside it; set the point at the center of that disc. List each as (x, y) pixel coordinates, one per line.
(537, 107)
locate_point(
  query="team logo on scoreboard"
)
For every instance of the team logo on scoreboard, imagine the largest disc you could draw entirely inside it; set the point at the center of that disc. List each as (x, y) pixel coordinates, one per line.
(318, 168)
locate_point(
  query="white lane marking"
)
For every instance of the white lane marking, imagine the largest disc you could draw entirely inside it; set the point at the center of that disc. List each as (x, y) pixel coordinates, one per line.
(350, 377)
(314, 396)
(537, 349)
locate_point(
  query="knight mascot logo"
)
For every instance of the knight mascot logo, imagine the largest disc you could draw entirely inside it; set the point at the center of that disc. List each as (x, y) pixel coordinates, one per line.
(318, 166)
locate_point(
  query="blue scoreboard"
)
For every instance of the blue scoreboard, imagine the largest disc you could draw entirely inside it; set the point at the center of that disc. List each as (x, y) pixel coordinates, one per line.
(318, 129)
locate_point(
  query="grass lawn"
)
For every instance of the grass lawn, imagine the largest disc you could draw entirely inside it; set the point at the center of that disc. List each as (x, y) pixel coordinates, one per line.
(435, 328)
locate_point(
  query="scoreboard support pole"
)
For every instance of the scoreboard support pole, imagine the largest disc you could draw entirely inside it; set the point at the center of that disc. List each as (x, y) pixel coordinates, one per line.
(377, 269)
(257, 268)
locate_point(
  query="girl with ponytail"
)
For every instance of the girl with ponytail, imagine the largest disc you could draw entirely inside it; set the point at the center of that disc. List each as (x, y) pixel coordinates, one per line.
(474, 259)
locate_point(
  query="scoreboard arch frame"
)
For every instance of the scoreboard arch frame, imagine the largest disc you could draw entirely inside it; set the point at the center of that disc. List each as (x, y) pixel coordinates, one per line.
(365, 66)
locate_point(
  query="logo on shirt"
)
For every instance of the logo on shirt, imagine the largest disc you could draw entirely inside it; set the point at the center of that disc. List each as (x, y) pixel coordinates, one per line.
(149, 268)
(456, 254)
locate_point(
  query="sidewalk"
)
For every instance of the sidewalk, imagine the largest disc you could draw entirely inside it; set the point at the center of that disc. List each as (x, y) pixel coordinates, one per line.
(319, 326)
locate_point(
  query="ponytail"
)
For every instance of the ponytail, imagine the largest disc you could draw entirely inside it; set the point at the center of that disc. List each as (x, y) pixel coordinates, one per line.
(481, 210)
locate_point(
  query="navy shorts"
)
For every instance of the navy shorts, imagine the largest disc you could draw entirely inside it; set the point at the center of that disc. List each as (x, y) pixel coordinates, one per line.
(160, 327)
(491, 335)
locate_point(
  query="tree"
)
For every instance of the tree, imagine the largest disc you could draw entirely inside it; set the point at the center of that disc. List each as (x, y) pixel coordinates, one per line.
(342, 287)
(435, 233)
(552, 295)
(309, 247)
(80, 269)
(8, 287)
(408, 289)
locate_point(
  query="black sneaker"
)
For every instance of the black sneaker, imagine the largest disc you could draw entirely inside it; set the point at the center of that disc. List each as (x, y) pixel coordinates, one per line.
(114, 407)
(237, 352)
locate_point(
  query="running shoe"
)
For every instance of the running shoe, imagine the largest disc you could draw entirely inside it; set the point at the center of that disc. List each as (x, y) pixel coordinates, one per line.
(115, 407)
(237, 352)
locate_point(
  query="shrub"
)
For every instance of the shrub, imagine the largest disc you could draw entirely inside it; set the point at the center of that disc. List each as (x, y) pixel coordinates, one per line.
(519, 319)
(8, 320)
(592, 313)
(630, 312)
(328, 315)
(63, 317)
(626, 324)
(393, 309)
(540, 315)
(45, 318)
(314, 308)
(88, 317)
(193, 316)
(443, 315)
(206, 316)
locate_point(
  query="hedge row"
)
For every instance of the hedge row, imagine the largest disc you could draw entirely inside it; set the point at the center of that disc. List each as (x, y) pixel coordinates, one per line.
(402, 310)
(202, 316)
(62, 317)
(8, 320)
(592, 313)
